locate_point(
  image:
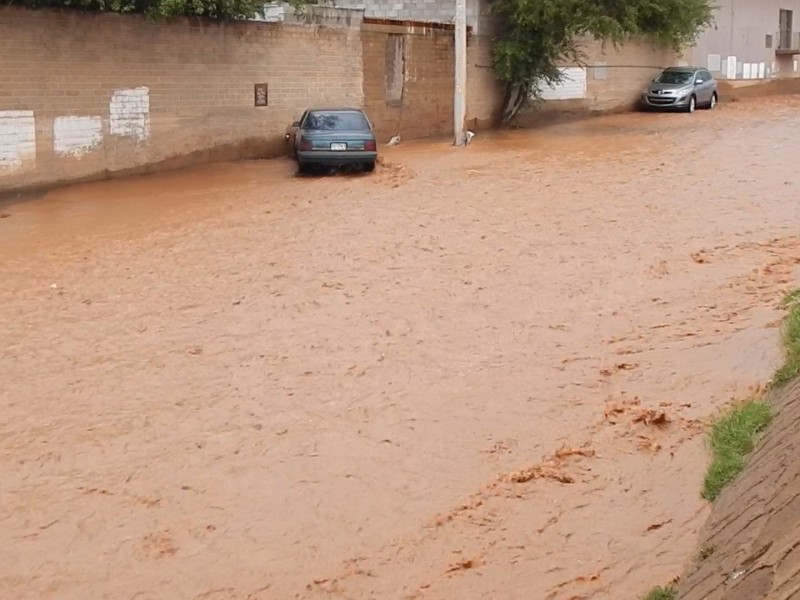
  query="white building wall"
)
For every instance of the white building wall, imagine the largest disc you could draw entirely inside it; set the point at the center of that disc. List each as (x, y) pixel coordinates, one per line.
(736, 46)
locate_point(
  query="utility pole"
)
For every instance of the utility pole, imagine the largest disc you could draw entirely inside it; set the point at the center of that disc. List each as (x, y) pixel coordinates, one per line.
(460, 97)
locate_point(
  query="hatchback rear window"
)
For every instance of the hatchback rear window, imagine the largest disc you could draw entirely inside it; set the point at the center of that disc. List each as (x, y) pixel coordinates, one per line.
(336, 121)
(675, 77)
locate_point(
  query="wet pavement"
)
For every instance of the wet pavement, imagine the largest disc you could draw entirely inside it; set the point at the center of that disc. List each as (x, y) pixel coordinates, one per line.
(477, 373)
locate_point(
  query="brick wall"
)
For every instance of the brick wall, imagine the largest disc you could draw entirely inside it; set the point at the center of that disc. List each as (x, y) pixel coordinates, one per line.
(484, 94)
(612, 80)
(408, 82)
(90, 95)
(424, 64)
(83, 95)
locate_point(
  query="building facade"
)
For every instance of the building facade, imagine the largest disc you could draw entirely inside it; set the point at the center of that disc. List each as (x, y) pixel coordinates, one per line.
(751, 40)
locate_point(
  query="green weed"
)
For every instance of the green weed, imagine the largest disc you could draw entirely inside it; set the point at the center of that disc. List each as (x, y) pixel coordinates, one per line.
(791, 341)
(662, 593)
(733, 437)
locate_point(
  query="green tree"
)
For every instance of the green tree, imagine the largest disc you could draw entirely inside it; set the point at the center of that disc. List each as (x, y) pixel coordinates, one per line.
(209, 9)
(539, 36)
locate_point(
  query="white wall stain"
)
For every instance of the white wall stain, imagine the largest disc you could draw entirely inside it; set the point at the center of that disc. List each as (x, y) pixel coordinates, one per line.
(732, 68)
(130, 113)
(572, 87)
(76, 136)
(17, 139)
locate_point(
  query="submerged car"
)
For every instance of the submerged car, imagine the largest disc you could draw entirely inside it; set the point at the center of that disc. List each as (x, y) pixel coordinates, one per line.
(681, 88)
(334, 137)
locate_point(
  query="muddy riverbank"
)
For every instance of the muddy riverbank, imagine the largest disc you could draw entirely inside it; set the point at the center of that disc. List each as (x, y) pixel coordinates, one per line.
(748, 548)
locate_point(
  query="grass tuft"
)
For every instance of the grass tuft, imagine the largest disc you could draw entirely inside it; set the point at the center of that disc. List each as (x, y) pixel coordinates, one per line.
(706, 553)
(662, 593)
(733, 437)
(791, 341)
(791, 298)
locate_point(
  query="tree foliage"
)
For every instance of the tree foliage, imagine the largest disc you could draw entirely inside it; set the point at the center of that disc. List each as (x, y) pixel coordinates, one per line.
(209, 9)
(539, 36)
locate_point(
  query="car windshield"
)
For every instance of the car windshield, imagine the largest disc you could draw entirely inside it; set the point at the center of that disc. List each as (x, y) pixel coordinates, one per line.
(676, 77)
(336, 121)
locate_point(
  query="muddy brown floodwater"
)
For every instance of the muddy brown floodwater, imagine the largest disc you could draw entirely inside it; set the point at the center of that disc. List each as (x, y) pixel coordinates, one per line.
(479, 373)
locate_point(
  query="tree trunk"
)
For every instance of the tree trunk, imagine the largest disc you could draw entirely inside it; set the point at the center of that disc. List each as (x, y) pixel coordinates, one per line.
(515, 98)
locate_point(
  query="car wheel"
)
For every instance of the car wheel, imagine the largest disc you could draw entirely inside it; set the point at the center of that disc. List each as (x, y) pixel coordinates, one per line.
(369, 167)
(692, 104)
(713, 103)
(303, 168)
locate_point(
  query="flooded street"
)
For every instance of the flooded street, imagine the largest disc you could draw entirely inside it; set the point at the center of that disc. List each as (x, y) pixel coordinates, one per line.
(480, 373)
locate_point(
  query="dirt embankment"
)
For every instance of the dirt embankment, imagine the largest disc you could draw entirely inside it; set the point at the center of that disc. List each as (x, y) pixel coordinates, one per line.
(736, 90)
(750, 546)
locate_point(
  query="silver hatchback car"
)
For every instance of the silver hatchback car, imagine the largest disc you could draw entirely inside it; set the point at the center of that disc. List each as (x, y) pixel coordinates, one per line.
(681, 88)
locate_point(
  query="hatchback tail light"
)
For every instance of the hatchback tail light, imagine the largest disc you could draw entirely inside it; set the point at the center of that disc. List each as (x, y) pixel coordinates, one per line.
(370, 146)
(306, 144)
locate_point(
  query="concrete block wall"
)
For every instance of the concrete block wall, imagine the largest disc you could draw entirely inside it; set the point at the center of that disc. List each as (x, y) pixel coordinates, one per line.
(440, 11)
(424, 64)
(86, 95)
(612, 80)
(484, 93)
(432, 11)
(616, 77)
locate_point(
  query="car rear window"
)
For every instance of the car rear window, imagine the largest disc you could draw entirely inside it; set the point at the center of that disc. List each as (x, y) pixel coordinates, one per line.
(336, 121)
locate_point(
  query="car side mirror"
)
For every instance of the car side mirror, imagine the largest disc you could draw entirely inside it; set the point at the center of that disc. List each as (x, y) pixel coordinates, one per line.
(698, 82)
(296, 124)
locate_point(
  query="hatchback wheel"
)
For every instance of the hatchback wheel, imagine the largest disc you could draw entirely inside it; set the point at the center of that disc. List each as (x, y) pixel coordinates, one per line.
(692, 105)
(303, 168)
(713, 103)
(369, 167)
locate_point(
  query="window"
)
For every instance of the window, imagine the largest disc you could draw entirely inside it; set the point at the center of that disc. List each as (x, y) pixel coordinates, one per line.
(336, 121)
(786, 25)
(675, 77)
(768, 42)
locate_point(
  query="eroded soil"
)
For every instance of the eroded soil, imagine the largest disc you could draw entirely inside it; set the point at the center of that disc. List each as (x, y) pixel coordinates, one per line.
(479, 373)
(748, 550)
